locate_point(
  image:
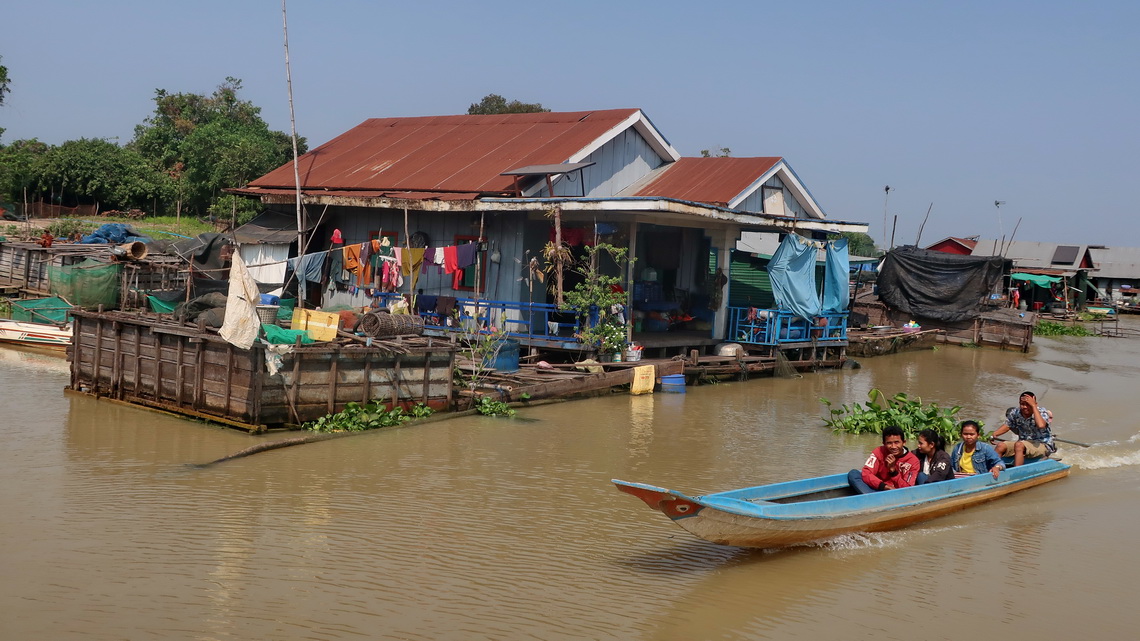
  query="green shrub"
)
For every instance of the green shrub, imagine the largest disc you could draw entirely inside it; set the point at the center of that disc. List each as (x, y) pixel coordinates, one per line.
(490, 407)
(880, 411)
(358, 418)
(1051, 328)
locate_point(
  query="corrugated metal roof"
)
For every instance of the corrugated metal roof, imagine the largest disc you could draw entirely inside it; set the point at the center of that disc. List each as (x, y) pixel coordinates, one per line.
(1116, 262)
(707, 180)
(1028, 253)
(363, 193)
(445, 153)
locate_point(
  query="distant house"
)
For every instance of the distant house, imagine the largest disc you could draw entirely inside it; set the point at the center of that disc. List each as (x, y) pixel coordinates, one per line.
(1117, 275)
(506, 182)
(1060, 272)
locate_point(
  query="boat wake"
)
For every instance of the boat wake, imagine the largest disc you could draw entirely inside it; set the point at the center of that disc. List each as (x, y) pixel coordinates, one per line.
(1093, 459)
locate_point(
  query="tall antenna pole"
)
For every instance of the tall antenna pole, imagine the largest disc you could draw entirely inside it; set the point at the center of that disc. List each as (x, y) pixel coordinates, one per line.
(1001, 230)
(296, 169)
(886, 197)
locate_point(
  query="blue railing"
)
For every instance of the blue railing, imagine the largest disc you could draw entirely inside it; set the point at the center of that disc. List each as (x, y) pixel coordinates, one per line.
(542, 321)
(777, 327)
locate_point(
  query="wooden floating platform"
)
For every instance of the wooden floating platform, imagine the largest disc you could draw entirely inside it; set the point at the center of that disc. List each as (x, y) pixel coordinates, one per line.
(565, 380)
(864, 343)
(154, 361)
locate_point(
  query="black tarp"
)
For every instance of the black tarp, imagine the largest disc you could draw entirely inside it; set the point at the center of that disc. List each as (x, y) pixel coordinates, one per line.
(938, 285)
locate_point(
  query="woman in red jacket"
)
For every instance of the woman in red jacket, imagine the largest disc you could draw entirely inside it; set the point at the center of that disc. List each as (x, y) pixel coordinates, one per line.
(890, 466)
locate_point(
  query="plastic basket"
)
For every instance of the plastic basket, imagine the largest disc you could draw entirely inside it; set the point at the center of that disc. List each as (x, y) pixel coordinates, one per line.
(267, 314)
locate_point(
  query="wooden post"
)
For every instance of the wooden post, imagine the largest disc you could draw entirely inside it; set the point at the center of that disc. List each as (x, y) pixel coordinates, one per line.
(98, 356)
(116, 366)
(257, 382)
(293, 388)
(427, 376)
(367, 376)
(76, 333)
(179, 382)
(138, 360)
(335, 356)
(199, 367)
(396, 382)
(229, 378)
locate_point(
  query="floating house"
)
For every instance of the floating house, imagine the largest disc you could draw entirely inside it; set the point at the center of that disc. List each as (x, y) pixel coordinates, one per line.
(509, 185)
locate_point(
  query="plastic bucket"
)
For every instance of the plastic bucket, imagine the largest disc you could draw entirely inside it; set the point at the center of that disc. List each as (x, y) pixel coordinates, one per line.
(506, 358)
(673, 383)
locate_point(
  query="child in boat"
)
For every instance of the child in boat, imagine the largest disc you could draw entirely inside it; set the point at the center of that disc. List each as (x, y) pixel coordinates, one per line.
(890, 465)
(973, 457)
(934, 463)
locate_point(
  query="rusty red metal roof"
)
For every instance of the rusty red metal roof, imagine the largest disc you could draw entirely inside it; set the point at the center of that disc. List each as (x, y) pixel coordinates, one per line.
(445, 153)
(714, 180)
(357, 193)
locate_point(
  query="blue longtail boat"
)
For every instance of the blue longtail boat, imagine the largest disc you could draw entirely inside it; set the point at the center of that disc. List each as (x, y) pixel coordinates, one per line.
(796, 512)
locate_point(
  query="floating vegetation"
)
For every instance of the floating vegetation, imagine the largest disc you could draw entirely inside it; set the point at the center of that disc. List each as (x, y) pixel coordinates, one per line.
(1051, 328)
(881, 411)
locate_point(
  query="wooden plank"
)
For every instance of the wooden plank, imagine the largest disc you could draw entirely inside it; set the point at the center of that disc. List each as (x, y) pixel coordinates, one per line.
(396, 381)
(179, 380)
(427, 376)
(332, 381)
(229, 373)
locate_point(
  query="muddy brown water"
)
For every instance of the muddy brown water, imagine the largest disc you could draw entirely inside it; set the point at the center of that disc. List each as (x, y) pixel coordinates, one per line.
(482, 528)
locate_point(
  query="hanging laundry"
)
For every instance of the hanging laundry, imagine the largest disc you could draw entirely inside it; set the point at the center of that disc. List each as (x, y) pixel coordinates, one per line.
(365, 264)
(465, 255)
(308, 268)
(450, 259)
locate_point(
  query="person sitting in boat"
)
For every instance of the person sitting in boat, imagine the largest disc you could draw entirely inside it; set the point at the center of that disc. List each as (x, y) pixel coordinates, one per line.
(890, 465)
(1031, 423)
(971, 457)
(933, 461)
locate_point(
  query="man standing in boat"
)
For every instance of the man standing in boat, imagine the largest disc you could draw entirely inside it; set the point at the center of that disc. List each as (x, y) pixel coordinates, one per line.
(890, 465)
(1031, 423)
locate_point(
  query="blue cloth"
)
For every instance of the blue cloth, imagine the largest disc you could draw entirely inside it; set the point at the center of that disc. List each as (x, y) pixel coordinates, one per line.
(792, 272)
(308, 268)
(836, 276)
(984, 458)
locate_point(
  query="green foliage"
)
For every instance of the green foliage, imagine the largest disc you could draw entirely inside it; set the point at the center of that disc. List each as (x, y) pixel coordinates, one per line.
(208, 143)
(66, 227)
(722, 152)
(358, 418)
(596, 293)
(99, 171)
(493, 103)
(880, 411)
(1050, 328)
(229, 207)
(3, 87)
(490, 407)
(860, 244)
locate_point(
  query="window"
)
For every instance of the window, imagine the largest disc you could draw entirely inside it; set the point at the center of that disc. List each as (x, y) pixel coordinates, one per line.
(465, 279)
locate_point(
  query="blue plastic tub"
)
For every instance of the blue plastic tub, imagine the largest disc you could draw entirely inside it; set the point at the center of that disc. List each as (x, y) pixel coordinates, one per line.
(673, 383)
(506, 359)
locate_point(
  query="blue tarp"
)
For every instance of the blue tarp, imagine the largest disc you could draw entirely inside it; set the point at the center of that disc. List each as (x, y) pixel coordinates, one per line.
(792, 272)
(836, 272)
(114, 234)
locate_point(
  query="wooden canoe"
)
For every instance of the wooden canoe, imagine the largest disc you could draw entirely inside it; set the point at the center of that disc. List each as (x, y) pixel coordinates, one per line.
(796, 512)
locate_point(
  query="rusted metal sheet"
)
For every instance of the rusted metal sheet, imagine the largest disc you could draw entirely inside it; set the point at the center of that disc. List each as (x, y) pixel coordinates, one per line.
(707, 180)
(445, 153)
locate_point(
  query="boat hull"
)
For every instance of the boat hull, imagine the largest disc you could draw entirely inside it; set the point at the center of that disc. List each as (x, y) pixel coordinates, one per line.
(751, 518)
(35, 334)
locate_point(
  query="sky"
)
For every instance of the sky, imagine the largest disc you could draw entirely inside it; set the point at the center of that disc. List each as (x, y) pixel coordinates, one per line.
(954, 105)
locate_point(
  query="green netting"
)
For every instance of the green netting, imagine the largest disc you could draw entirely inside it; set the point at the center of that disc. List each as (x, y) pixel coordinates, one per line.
(285, 308)
(279, 336)
(88, 284)
(41, 310)
(160, 306)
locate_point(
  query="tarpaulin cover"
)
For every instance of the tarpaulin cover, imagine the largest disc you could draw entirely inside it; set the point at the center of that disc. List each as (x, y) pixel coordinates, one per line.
(792, 272)
(836, 277)
(937, 285)
(114, 234)
(1037, 279)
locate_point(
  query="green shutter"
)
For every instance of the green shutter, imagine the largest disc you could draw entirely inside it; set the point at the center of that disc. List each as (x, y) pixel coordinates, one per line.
(749, 285)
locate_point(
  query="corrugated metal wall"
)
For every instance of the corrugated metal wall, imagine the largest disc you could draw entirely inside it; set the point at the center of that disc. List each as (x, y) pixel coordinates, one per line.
(749, 285)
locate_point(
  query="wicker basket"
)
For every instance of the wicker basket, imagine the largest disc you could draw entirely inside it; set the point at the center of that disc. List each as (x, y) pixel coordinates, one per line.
(267, 314)
(381, 324)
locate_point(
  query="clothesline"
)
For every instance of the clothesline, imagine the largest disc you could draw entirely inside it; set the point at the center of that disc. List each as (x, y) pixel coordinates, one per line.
(331, 249)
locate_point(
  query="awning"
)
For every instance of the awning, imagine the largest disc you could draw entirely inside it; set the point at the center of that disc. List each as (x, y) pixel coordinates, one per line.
(1036, 279)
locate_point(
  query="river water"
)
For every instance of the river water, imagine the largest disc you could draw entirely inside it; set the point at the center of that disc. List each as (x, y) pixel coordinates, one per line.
(484, 528)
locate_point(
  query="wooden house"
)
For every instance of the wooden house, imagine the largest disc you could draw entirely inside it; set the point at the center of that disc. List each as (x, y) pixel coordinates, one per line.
(511, 183)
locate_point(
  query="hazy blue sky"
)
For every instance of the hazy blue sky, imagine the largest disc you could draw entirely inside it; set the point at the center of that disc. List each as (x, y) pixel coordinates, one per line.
(957, 104)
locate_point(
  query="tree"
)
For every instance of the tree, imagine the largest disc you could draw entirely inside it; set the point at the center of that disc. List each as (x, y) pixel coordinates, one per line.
(723, 152)
(18, 169)
(493, 103)
(860, 244)
(208, 143)
(3, 87)
(100, 172)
